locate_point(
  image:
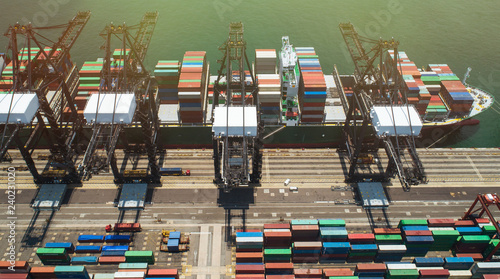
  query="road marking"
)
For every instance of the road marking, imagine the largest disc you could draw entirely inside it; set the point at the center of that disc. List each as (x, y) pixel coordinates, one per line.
(408, 213)
(272, 194)
(274, 214)
(282, 191)
(346, 210)
(200, 211)
(216, 246)
(268, 174)
(256, 214)
(203, 246)
(474, 167)
(288, 214)
(266, 191)
(359, 210)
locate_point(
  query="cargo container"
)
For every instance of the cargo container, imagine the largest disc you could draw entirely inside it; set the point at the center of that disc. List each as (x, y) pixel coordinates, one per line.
(111, 259)
(117, 238)
(162, 273)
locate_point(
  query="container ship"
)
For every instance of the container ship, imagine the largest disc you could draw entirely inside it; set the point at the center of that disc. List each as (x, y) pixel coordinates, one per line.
(299, 104)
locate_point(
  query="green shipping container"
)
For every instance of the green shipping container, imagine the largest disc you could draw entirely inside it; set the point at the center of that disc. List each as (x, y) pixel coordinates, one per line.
(403, 273)
(411, 222)
(51, 251)
(278, 251)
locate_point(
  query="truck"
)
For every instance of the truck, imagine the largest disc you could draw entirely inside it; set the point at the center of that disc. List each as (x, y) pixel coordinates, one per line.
(124, 227)
(174, 171)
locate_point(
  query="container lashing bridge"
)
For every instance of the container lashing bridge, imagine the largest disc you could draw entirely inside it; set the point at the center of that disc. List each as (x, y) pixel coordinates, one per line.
(236, 126)
(379, 106)
(44, 84)
(126, 83)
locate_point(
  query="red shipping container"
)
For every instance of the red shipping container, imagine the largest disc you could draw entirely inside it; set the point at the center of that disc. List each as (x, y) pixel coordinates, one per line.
(491, 276)
(13, 275)
(361, 237)
(278, 266)
(328, 272)
(249, 257)
(433, 273)
(277, 226)
(465, 223)
(482, 220)
(441, 222)
(367, 267)
(111, 260)
(250, 276)
(308, 273)
(19, 266)
(418, 233)
(163, 272)
(250, 269)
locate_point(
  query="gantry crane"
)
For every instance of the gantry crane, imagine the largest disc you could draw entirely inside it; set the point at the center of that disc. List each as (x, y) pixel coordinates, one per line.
(125, 82)
(378, 94)
(43, 85)
(236, 126)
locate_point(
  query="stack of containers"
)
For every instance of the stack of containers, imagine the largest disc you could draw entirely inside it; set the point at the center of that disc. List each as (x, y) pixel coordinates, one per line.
(236, 96)
(436, 109)
(265, 61)
(489, 230)
(404, 64)
(192, 84)
(53, 256)
(46, 272)
(252, 257)
(117, 238)
(464, 263)
(306, 251)
(332, 230)
(84, 260)
(428, 262)
(277, 235)
(249, 241)
(367, 270)
(402, 270)
(20, 269)
(112, 259)
(417, 244)
(173, 241)
(338, 273)
(162, 273)
(456, 96)
(89, 238)
(120, 54)
(312, 87)
(335, 252)
(472, 243)
(491, 245)
(361, 238)
(313, 273)
(434, 273)
(444, 240)
(129, 275)
(66, 245)
(363, 252)
(469, 230)
(276, 255)
(167, 74)
(390, 252)
(305, 230)
(140, 257)
(465, 223)
(71, 272)
(279, 268)
(88, 249)
(480, 269)
(269, 97)
(388, 239)
(254, 271)
(104, 276)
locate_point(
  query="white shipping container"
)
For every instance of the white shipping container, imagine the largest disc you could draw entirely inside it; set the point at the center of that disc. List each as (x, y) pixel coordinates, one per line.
(401, 266)
(392, 248)
(441, 228)
(134, 274)
(425, 268)
(276, 230)
(103, 276)
(400, 120)
(255, 239)
(486, 267)
(233, 125)
(460, 274)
